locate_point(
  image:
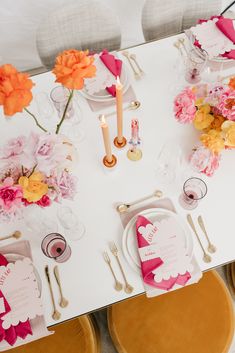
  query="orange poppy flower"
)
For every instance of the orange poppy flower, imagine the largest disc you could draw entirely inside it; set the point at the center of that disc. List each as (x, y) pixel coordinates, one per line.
(72, 66)
(15, 89)
(232, 83)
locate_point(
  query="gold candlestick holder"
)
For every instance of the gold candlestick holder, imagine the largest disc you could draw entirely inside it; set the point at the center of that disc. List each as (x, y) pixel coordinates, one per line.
(120, 144)
(110, 164)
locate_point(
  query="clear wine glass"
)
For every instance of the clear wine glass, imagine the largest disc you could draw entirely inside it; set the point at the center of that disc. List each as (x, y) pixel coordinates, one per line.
(74, 228)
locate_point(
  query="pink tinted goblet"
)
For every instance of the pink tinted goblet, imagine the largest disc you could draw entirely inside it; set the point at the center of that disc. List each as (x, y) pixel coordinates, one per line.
(55, 247)
(194, 189)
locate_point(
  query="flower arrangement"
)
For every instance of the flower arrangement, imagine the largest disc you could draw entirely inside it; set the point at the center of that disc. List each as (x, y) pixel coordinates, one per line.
(35, 170)
(211, 109)
(71, 68)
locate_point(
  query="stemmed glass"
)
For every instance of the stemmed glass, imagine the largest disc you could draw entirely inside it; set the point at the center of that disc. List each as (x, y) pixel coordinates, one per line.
(71, 126)
(195, 64)
(194, 189)
(55, 247)
(74, 228)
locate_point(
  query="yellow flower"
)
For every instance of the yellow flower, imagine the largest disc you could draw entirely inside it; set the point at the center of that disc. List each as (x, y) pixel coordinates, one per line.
(216, 123)
(33, 187)
(228, 129)
(213, 140)
(203, 118)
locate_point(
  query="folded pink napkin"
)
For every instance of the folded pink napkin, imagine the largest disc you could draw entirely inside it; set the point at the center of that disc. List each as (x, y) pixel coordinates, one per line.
(114, 65)
(226, 26)
(149, 258)
(22, 329)
(149, 265)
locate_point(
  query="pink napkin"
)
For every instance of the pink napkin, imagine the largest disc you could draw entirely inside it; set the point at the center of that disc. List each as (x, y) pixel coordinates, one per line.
(225, 25)
(22, 329)
(148, 266)
(115, 67)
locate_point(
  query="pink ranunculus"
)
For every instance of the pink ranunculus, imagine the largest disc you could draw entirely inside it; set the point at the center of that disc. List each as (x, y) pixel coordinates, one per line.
(45, 201)
(184, 106)
(214, 93)
(227, 104)
(10, 195)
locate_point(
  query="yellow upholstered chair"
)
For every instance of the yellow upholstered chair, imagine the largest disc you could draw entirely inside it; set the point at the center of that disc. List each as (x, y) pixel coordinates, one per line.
(195, 319)
(75, 336)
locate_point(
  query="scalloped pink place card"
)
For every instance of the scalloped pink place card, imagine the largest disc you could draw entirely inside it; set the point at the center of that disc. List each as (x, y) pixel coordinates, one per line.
(20, 287)
(211, 39)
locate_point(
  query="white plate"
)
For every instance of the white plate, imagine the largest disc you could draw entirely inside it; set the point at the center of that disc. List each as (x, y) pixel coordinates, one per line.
(129, 241)
(199, 51)
(14, 257)
(103, 96)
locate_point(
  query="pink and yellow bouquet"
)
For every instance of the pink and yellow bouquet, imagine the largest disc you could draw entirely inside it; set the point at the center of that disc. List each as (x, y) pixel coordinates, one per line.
(211, 109)
(35, 170)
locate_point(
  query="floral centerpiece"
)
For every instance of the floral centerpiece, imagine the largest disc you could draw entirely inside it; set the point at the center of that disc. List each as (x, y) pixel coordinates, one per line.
(211, 109)
(37, 169)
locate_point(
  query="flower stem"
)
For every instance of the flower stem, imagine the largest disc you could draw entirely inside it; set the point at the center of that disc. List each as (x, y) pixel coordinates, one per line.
(65, 111)
(35, 119)
(33, 170)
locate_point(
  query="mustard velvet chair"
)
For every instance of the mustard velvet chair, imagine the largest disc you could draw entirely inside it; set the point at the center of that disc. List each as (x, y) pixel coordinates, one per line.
(196, 319)
(75, 336)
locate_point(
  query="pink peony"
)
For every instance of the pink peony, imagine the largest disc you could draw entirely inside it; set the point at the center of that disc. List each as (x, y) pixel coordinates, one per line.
(44, 201)
(203, 161)
(227, 104)
(14, 147)
(10, 195)
(184, 106)
(213, 164)
(62, 186)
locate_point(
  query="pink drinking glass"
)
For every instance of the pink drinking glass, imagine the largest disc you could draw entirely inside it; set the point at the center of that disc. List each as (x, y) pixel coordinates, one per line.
(195, 65)
(55, 247)
(194, 189)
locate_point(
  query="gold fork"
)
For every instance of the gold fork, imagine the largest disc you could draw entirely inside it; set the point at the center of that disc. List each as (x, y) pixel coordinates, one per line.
(118, 285)
(128, 288)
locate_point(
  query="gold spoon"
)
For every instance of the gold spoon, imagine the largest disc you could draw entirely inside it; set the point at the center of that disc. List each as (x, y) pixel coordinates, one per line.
(132, 106)
(177, 45)
(206, 257)
(17, 234)
(56, 314)
(211, 248)
(63, 302)
(181, 40)
(122, 208)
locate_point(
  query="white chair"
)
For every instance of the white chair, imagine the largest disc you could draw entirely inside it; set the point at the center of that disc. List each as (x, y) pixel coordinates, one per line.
(164, 18)
(78, 25)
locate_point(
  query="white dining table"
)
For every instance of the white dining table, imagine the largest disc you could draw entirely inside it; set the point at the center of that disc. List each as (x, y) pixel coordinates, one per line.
(86, 279)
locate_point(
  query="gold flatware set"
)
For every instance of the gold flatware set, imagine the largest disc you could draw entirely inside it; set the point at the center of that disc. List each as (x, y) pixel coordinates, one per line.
(16, 235)
(210, 248)
(117, 285)
(138, 72)
(63, 303)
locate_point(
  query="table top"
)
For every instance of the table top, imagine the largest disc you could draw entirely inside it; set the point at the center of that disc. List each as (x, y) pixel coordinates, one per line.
(86, 279)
